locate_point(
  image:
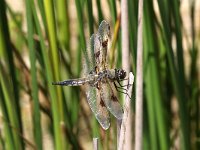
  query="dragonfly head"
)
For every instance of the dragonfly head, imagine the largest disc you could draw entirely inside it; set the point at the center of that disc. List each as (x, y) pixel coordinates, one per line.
(120, 73)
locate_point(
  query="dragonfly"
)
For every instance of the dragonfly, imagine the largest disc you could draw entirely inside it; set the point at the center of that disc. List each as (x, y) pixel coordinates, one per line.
(101, 83)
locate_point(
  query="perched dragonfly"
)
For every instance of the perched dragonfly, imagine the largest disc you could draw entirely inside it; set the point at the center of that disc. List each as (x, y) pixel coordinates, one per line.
(99, 81)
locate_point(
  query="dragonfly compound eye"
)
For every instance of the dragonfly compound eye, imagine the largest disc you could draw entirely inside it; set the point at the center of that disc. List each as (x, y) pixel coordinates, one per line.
(121, 73)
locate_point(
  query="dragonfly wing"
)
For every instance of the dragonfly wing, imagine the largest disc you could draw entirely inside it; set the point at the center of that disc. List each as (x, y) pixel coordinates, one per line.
(101, 42)
(108, 94)
(104, 31)
(98, 107)
(88, 59)
(98, 53)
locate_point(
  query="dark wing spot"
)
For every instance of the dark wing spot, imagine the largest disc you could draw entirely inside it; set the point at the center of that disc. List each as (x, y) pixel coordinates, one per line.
(108, 27)
(96, 69)
(102, 103)
(105, 43)
(97, 54)
(114, 98)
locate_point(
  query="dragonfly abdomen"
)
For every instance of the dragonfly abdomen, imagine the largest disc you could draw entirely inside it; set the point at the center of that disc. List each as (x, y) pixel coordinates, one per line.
(75, 82)
(70, 82)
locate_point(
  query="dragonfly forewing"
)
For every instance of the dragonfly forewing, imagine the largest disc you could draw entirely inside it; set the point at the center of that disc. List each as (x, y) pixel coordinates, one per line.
(101, 41)
(104, 31)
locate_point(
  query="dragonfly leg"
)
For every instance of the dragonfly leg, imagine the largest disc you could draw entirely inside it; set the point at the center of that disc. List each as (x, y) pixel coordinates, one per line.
(118, 87)
(127, 85)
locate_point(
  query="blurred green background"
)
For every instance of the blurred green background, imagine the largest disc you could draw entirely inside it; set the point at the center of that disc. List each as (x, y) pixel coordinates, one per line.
(44, 41)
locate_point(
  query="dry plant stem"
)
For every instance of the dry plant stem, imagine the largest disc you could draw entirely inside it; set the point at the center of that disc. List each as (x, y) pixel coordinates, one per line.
(139, 82)
(95, 143)
(126, 63)
(125, 36)
(119, 123)
(127, 109)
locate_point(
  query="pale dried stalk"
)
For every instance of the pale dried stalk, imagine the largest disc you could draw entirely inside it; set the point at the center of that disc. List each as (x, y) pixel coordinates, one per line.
(126, 64)
(125, 36)
(95, 143)
(139, 82)
(127, 109)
